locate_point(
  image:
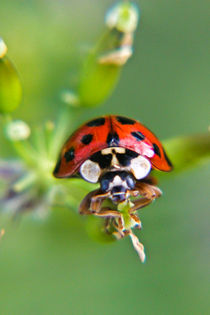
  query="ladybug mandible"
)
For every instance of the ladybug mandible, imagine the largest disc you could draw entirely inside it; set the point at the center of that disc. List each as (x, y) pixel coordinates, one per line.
(119, 153)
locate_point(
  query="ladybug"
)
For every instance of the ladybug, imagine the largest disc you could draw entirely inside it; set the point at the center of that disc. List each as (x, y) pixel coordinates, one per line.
(118, 153)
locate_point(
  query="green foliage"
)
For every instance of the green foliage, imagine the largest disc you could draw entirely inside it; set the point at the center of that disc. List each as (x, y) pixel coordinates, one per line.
(38, 150)
(48, 264)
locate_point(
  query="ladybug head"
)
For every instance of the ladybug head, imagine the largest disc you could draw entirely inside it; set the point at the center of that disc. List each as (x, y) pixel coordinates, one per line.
(118, 183)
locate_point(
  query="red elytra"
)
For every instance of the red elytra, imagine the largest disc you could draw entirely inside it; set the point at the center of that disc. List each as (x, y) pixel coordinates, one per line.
(110, 131)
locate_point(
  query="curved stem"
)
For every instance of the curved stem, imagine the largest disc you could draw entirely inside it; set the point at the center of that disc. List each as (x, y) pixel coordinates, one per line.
(62, 125)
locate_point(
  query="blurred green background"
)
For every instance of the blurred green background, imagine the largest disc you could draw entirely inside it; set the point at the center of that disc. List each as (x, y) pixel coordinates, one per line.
(51, 266)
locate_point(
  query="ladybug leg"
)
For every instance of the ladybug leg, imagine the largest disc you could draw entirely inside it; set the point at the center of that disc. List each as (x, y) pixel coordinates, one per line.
(96, 201)
(149, 193)
(107, 225)
(120, 230)
(84, 207)
(140, 203)
(151, 180)
(91, 204)
(115, 223)
(136, 220)
(106, 212)
(118, 225)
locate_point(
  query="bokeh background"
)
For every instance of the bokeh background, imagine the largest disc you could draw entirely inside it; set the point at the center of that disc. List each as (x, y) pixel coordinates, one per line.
(51, 266)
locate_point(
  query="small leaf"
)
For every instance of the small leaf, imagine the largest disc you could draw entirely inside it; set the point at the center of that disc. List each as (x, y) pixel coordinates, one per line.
(10, 87)
(185, 152)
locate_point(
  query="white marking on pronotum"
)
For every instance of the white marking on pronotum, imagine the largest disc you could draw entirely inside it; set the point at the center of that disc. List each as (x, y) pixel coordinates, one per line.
(114, 163)
(115, 149)
(90, 171)
(140, 167)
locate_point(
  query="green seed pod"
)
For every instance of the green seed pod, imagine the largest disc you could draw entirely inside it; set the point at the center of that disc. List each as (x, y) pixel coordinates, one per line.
(97, 82)
(103, 65)
(10, 87)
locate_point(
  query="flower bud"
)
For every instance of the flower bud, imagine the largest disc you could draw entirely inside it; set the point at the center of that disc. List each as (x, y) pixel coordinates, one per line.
(70, 98)
(17, 130)
(123, 16)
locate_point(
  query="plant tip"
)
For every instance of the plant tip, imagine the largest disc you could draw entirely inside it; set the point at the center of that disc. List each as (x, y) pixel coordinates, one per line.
(3, 48)
(124, 16)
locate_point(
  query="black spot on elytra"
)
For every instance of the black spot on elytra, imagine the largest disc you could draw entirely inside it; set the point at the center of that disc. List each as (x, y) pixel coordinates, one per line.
(69, 155)
(138, 135)
(112, 139)
(125, 120)
(125, 158)
(167, 159)
(156, 149)
(57, 167)
(87, 139)
(96, 122)
(104, 160)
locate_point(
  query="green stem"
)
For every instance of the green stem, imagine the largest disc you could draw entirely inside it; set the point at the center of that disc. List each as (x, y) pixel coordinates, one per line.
(25, 150)
(62, 125)
(40, 142)
(24, 182)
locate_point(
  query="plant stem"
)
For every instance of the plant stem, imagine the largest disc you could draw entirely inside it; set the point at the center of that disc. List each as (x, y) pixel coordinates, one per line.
(24, 182)
(62, 125)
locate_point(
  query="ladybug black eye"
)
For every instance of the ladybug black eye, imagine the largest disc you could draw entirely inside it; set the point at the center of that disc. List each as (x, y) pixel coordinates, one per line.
(130, 182)
(104, 184)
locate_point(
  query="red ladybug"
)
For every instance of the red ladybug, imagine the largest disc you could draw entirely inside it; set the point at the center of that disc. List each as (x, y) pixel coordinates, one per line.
(119, 153)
